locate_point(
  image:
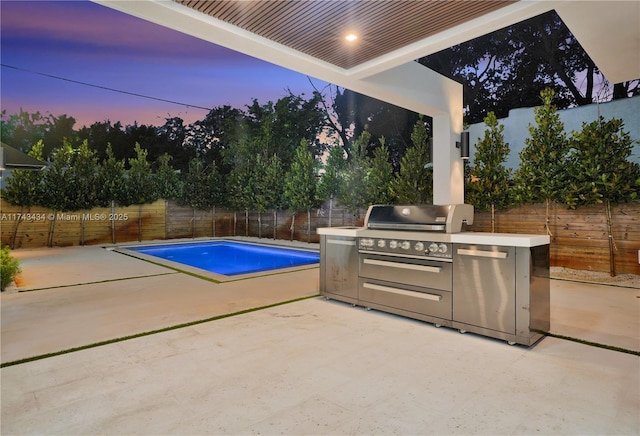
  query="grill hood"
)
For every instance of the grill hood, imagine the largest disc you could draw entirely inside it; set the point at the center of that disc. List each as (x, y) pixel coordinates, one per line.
(423, 217)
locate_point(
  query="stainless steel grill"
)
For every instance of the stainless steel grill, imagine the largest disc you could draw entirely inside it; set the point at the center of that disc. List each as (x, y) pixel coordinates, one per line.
(406, 259)
(418, 261)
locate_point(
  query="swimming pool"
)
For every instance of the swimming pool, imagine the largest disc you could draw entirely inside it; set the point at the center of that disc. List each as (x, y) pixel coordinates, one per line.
(229, 257)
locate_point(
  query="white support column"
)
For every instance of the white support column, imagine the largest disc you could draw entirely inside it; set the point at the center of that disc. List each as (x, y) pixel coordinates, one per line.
(448, 170)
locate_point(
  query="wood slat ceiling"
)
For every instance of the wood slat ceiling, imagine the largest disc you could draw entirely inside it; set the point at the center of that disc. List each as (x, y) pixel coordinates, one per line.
(318, 27)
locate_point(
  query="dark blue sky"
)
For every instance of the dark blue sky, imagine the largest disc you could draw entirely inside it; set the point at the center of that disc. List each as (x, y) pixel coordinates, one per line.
(85, 42)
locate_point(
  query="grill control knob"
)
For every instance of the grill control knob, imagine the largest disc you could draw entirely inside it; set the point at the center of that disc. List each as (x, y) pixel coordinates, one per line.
(419, 246)
(442, 248)
(381, 243)
(405, 245)
(366, 242)
(433, 247)
(393, 244)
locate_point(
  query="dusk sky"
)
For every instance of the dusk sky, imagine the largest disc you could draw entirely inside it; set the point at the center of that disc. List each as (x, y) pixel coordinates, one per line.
(81, 41)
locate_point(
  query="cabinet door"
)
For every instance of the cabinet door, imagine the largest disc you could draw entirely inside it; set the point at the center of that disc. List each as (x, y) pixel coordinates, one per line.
(484, 286)
(341, 273)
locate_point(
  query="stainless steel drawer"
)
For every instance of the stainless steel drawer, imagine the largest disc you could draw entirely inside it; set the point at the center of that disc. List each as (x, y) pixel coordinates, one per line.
(416, 272)
(432, 302)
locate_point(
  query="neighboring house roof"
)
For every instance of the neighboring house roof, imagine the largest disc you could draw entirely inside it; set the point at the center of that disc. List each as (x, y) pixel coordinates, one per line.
(12, 159)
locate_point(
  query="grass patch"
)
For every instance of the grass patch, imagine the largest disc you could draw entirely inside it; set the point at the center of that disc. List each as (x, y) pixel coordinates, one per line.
(595, 344)
(94, 283)
(152, 332)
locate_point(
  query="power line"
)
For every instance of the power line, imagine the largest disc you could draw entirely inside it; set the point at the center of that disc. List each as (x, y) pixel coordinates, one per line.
(106, 88)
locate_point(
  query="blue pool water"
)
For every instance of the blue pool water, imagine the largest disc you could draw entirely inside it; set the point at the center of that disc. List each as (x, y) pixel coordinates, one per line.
(230, 258)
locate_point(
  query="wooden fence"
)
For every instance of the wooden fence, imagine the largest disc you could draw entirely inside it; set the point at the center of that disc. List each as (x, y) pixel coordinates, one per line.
(579, 237)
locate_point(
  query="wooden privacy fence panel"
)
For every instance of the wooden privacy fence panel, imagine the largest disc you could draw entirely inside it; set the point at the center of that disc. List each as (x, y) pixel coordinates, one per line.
(41, 227)
(579, 237)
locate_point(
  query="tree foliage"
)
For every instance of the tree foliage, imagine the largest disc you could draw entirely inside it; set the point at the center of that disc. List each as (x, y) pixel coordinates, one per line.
(599, 173)
(300, 180)
(380, 176)
(168, 185)
(267, 183)
(599, 169)
(541, 175)
(330, 183)
(23, 130)
(354, 191)
(414, 183)
(357, 113)
(508, 69)
(24, 188)
(58, 182)
(140, 187)
(202, 185)
(83, 175)
(490, 183)
(111, 180)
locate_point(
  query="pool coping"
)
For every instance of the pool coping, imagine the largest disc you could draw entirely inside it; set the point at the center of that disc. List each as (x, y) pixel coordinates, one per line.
(208, 275)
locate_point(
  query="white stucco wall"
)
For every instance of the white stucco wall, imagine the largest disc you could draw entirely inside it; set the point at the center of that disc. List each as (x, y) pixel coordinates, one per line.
(516, 126)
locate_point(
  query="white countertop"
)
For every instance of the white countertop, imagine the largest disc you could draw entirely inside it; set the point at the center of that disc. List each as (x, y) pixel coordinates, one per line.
(339, 231)
(507, 239)
(484, 238)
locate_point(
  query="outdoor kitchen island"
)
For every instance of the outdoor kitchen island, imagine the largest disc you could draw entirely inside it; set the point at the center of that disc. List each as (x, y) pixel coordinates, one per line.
(416, 262)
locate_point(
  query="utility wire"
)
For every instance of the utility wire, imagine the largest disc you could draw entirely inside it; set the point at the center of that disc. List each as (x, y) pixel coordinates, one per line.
(106, 88)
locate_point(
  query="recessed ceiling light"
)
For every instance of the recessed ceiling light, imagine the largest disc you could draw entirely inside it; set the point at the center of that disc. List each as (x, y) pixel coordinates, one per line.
(351, 37)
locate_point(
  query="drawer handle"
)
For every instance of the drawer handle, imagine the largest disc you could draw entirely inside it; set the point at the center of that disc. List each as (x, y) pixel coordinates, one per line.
(340, 242)
(481, 253)
(423, 295)
(411, 266)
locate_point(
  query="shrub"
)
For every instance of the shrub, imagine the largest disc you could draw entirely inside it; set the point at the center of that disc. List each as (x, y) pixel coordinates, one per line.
(9, 268)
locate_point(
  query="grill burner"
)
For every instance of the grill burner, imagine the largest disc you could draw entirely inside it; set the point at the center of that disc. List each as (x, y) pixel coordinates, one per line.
(414, 232)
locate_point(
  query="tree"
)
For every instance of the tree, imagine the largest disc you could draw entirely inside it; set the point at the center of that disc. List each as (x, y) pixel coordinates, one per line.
(330, 183)
(58, 186)
(111, 180)
(277, 128)
(509, 68)
(490, 182)
(300, 185)
(83, 181)
(168, 185)
(214, 135)
(380, 176)
(241, 158)
(354, 178)
(355, 113)
(22, 130)
(140, 186)
(24, 188)
(542, 173)
(57, 131)
(112, 188)
(600, 172)
(414, 183)
(267, 181)
(202, 187)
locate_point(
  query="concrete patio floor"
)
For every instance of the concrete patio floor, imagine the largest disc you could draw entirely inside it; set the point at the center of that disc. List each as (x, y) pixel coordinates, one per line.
(307, 367)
